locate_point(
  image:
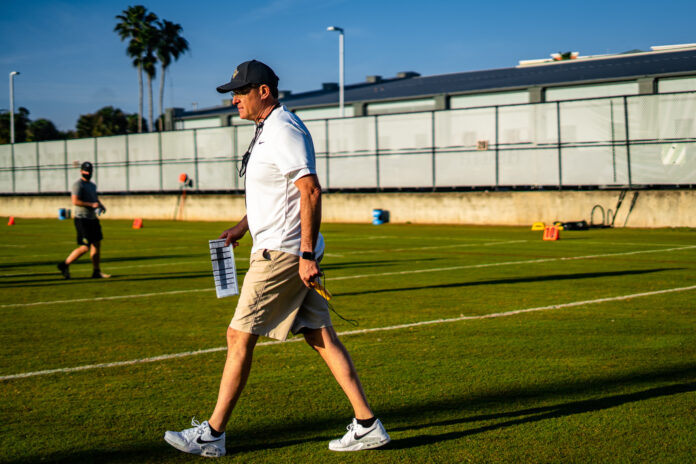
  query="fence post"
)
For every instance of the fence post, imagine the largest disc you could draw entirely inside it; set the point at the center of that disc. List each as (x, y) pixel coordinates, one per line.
(96, 158)
(326, 149)
(38, 168)
(195, 159)
(432, 144)
(628, 144)
(558, 128)
(234, 158)
(159, 151)
(65, 164)
(497, 154)
(14, 190)
(377, 151)
(613, 139)
(127, 165)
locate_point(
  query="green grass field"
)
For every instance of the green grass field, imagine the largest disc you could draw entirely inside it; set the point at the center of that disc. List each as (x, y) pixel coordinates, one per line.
(602, 368)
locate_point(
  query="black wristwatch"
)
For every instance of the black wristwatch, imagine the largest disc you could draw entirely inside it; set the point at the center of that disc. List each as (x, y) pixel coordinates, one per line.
(308, 255)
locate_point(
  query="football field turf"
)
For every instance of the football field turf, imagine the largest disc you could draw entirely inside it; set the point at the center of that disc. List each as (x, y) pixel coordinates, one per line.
(474, 344)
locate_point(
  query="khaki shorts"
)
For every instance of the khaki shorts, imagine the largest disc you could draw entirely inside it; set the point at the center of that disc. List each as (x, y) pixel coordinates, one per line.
(275, 301)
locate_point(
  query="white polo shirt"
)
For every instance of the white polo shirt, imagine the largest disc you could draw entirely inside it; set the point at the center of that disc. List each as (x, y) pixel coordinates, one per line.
(283, 153)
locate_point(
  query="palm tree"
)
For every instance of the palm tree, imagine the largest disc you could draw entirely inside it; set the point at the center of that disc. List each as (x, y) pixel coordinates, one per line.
(149, 36)
(170, 46)
(133, 21)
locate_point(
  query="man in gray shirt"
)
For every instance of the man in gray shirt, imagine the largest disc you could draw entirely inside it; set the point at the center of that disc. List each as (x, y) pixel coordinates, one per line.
(89, 233)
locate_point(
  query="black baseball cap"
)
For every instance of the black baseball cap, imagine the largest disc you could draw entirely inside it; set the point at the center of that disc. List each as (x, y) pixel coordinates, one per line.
(86, 166)
(250, 72)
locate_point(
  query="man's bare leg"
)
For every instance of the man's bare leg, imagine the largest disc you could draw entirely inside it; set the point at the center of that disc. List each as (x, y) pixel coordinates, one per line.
(325, 341)
(75, 254)
(240, 348)
(94, 254)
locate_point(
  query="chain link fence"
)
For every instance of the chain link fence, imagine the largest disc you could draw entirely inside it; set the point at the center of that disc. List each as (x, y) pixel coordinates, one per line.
(633, 141)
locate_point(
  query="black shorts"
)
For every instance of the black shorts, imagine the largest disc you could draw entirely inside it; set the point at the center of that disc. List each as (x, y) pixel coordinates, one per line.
(88, 231)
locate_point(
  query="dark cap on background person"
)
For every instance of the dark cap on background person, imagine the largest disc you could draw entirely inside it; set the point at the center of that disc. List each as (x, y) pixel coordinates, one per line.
(250, 73)
(87, 166)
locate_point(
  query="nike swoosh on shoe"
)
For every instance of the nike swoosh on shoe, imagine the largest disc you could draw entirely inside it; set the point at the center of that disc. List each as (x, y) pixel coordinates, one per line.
(358, 437)
(202, 442)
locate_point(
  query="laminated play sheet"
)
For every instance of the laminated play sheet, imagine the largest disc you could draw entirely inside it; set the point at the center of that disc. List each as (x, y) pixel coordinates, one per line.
(224, 270)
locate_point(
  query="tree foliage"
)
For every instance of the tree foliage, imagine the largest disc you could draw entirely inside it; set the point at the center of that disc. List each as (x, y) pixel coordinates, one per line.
(43, 129)
(21, 120)
(149, 41)
(170, 46)
(27, 130)
(107, 121)
(134, 25)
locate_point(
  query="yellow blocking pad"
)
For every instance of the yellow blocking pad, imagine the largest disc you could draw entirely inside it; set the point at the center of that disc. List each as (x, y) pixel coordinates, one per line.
(538, 226)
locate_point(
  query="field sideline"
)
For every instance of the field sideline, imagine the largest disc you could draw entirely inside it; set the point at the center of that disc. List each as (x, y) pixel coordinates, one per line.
(475, 344)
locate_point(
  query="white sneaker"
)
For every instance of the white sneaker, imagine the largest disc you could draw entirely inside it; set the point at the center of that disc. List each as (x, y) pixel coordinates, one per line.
(197, 440)
(359, 438)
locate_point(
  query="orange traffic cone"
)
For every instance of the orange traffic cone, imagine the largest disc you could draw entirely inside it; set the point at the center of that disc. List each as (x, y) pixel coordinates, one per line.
(551, 233)
(11, 222)
(138, 223)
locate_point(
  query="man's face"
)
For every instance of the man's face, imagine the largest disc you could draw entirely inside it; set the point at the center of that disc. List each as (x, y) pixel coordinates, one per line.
(86, 174)
(249, 103)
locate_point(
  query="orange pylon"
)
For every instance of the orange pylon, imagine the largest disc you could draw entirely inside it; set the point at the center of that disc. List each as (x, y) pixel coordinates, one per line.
(551, 233)
(11, 222)
(138, 223)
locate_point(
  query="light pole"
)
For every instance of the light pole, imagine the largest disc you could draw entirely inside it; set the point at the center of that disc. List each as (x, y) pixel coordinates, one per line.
(12, 128)
(341, 68)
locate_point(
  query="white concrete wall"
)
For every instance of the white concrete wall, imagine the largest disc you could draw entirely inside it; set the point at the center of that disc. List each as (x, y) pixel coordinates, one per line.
(653, 208)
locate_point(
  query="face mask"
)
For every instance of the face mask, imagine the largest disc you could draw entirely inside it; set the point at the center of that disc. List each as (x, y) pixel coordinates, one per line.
(87, 176)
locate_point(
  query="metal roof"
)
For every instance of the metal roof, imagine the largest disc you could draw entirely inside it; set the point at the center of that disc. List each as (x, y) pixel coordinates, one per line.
(611, 68)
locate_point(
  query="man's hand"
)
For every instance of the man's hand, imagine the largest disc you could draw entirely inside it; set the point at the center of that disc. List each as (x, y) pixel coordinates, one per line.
(233, 234)
(309, 270)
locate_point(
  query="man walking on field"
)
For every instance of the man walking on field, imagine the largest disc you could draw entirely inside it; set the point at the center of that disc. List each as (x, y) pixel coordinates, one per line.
(283, 199)
(89, 234)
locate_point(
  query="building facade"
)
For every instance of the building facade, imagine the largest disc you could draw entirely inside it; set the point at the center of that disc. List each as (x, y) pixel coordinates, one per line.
(663, 69)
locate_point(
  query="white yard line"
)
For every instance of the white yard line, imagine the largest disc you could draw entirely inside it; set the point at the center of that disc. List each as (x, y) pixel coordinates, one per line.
(361, 276)
(458, 245)
(60, 254)
(106, 298)
(508, 263)
(165, 357)
(203, 260)
(330, 255)
(600, 242)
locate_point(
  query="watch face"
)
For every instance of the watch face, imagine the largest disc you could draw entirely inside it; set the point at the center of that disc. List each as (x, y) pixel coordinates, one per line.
(308, 255)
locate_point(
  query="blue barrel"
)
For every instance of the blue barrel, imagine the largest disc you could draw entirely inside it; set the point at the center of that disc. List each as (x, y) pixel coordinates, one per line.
(62, 214)
(379, 216)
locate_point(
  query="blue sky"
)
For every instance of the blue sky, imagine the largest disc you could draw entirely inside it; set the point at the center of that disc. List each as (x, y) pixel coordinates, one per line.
(72, 63)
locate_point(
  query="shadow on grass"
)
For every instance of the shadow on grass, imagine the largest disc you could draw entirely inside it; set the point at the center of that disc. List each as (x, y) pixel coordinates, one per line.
(115, 278)
(545, 278)
(85, 258)
(530, 415)
(682, 379)
(367, 264)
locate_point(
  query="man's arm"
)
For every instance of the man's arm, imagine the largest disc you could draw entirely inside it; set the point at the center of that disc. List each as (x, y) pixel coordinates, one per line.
(233, 234)
(77, 202)
(310, 219)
